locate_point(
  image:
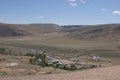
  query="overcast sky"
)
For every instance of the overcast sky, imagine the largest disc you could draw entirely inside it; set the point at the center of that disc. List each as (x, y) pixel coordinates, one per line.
(63, 12)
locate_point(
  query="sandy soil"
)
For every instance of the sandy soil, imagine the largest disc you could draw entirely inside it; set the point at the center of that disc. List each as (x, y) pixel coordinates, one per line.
(107, 73)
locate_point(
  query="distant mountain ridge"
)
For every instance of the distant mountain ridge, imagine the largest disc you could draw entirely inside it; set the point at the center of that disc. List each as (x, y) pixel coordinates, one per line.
(7, 30)
(109, 31)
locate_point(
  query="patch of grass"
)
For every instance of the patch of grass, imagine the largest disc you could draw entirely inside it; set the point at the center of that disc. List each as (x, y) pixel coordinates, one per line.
(3, 74)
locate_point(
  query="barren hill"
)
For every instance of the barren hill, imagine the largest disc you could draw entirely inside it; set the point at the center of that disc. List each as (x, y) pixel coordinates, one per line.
(7, 30)
(106, 31)
(109, 31)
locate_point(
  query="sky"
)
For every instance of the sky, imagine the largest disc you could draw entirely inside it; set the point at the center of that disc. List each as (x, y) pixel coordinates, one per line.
(62, 12)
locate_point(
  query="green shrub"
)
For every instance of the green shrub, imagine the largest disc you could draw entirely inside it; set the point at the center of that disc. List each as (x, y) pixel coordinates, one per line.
(39, 59)
(29, 54)
(2, 51)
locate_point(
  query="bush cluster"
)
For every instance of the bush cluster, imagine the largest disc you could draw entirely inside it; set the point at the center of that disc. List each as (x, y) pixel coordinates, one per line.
(39, 59)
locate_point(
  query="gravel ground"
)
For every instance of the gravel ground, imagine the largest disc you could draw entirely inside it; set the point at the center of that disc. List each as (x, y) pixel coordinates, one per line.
(106, 73)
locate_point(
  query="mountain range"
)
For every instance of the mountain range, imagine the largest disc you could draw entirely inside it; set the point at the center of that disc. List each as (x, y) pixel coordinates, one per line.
(107, 31)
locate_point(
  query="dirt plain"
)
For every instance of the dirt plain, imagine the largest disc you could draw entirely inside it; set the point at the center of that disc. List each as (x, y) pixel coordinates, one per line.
(106, 73)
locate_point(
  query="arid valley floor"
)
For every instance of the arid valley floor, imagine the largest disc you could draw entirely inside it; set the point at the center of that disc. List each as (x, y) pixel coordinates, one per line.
(95, 51)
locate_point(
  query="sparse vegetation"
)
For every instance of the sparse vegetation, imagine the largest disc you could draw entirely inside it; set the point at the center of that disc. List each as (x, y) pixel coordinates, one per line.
(39, 59)
(3, 51)
(3, 74)
(71, 67)
(29, 54)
